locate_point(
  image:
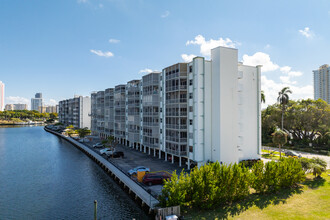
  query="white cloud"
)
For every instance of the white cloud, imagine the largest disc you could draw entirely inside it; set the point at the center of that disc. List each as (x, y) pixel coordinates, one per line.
(285, 79)
(260, 58)
(146, 70)
(114, 41)
(166, 14)
(295, 73)
(17, 100)
(206, 46)
(187, 58)
(285, 69)
(51, 102)
(306, 32)
(102, 54)
(271, 89)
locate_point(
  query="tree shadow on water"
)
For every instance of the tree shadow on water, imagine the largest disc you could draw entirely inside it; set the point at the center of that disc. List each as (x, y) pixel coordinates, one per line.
(259, 200)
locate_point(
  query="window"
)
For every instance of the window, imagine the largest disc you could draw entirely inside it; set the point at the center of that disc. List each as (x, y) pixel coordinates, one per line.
(190, 109)
(190, 82)
(190, 95)
(190, 69)
(191, 149)
(191, 122)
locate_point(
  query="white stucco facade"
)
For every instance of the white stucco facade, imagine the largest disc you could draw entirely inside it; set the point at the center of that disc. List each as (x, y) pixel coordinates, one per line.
(208, 110)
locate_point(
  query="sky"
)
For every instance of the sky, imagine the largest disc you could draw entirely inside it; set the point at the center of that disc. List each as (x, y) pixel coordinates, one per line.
(64, 48)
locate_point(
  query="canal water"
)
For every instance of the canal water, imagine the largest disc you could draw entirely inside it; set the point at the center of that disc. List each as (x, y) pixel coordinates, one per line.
(45, 177)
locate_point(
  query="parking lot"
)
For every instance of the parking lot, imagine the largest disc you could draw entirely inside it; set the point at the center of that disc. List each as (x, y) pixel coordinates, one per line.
(133, 158)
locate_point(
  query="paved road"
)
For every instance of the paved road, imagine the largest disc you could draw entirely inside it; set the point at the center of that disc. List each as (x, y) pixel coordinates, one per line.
(304, 154)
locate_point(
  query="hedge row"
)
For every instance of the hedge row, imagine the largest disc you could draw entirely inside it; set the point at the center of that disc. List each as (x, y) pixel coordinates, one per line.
(214, 184)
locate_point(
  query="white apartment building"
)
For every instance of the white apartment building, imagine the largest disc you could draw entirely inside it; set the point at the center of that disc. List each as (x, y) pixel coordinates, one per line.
(2, 96)
(76, 112)
(11, 107)
(322, 83)
(192, 112)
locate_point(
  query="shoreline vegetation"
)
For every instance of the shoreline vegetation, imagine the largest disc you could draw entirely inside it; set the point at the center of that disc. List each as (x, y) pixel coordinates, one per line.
(26, 117)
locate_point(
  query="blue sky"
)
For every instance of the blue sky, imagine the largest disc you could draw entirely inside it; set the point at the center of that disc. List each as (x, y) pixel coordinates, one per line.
(67, 47)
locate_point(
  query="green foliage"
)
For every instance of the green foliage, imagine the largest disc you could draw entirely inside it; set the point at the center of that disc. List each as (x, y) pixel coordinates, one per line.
(280, 137)
(110, 142)
(70, 127)
(174, 191)
(210, 185)
(307, 121)
(26, 115)
(273, 176)
(83, 132)
(315, 165)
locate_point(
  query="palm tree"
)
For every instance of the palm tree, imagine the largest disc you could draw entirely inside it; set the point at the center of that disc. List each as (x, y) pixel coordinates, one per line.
(83, 133)
(283, 99)
(263, 98)
(279, 139)
(110, 142)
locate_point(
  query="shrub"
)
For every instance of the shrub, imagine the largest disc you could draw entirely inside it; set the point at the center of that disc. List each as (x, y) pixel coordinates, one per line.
(208, 186)
(215, 184)
(273, 176)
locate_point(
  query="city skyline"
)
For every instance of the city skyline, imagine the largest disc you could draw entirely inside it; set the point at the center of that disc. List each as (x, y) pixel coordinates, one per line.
(100, 44)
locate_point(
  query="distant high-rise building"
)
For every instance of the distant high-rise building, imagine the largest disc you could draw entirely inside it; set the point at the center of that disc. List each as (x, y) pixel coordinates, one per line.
(322, 83)
(20, 106)
(47, 109)
(38, 95)
(11, 107)
(2, 95)
(36, 102)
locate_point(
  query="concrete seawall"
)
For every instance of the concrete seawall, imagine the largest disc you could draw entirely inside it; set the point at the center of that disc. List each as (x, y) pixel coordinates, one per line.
(138, 193)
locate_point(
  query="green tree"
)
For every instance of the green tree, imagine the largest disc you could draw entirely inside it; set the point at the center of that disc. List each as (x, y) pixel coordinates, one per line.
(83, 132)
(110, 142)
(263, 98)
(307, 121)
(280, 138)
(283, 99)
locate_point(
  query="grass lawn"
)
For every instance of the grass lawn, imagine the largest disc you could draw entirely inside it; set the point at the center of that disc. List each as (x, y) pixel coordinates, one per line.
(270, 154)
(310, 201)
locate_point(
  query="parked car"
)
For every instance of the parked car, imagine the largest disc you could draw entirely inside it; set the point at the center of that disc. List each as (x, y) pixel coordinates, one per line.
(109, 152)
(155, 178)
(103, 151)
(139, 168)
(292, 153)
(117, 154)
(98, 145)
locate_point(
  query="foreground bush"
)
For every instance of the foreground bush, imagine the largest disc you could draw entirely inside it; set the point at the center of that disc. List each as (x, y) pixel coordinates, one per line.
(314, 165)
(215, 184)
(273, 176)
